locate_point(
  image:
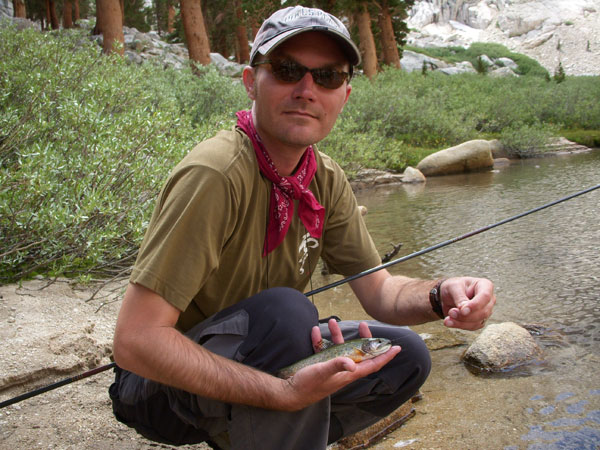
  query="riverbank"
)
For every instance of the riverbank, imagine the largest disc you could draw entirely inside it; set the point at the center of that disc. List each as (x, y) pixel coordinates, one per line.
(50, 331)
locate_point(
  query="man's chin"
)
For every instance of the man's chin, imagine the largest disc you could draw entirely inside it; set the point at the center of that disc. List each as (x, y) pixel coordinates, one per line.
(302, 136)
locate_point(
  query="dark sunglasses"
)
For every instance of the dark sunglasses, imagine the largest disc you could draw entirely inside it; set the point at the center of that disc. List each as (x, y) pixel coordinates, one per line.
(289, 71)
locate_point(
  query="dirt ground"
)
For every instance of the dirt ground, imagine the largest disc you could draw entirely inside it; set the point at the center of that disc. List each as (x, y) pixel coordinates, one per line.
(52, 330)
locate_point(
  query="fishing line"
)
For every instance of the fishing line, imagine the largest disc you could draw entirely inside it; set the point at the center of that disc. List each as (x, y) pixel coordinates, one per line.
(323, 288)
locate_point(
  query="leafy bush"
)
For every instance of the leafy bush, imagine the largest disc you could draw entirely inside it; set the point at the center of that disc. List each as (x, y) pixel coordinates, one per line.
(523, 140)
(589, 138)
(85, 143)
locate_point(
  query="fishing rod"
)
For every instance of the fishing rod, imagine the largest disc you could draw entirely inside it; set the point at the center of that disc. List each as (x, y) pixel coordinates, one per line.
(323, 288)
(58, 384)
(448, 242)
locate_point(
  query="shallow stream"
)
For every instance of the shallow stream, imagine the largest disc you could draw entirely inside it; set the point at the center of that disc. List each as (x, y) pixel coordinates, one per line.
(546, 269)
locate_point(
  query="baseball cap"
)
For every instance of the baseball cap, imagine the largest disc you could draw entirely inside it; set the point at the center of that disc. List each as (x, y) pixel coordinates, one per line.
(288, 22)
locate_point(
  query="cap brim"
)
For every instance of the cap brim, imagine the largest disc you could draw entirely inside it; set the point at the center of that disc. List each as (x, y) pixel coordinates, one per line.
(350, 49)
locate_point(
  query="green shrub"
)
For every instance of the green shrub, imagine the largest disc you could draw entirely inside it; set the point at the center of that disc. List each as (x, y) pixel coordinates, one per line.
(86, 141)
(523, 140)
(589, 138)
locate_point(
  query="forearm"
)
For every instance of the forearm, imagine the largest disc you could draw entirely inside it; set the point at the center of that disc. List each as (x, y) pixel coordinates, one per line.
(466, 302)
(396, 299)
(154, 349)
(167, 356)
(405, 301)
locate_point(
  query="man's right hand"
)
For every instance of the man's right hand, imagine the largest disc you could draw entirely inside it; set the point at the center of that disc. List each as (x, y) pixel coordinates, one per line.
(317, 381)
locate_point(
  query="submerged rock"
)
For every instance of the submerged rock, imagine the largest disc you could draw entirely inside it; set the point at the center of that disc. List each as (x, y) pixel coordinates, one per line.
(501, 347)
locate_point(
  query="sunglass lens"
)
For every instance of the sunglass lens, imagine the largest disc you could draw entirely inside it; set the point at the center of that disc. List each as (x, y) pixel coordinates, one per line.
(328, 78)
(288, 71)
(292, 72)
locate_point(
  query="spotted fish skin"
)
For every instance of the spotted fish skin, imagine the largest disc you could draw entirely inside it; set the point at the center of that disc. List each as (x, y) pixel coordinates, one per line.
(356, 349)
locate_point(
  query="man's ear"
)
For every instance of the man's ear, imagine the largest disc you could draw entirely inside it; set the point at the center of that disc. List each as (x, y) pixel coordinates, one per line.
(348, 90)
(249, 80)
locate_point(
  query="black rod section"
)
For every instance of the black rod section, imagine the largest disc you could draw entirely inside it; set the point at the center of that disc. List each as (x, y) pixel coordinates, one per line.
(58, 384)
(448, 242)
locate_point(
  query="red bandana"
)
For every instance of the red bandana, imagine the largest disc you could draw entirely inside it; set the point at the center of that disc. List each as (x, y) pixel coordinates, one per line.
(285, 190)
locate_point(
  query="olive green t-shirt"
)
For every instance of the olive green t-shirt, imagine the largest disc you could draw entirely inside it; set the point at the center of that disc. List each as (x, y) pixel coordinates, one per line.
(203, 248)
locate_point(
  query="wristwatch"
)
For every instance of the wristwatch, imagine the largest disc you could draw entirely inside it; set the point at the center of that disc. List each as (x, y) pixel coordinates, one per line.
(435, 298)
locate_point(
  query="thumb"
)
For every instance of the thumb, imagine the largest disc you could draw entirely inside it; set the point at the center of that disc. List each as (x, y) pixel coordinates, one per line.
(339, 364)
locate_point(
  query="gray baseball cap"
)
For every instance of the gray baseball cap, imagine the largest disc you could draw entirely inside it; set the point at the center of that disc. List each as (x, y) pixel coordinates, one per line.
(294, 20)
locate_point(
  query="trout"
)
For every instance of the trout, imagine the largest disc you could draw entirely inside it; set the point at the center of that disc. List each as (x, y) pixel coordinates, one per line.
(357, 350)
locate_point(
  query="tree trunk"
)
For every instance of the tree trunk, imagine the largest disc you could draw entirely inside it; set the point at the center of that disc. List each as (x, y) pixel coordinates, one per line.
(67, 14)
(255, 28)
(19, 8)
(76, 16)
(112, 25)
(170, 17)
(367, 42)
(46, 15)
(51, 16)
(99, 27)
(388, 39)
(195, 31)
(242, 34)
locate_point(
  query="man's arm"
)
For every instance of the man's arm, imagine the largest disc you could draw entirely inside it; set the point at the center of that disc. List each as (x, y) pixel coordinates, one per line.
(466, 302)
(147, 344)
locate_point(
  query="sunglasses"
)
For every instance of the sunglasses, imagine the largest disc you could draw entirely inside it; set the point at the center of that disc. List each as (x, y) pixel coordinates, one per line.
(289, 71)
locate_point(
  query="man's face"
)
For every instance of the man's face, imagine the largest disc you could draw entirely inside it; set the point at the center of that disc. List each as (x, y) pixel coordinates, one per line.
(292, 116)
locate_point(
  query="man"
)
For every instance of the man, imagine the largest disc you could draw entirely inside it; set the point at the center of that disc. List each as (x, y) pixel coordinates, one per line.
(214, 308)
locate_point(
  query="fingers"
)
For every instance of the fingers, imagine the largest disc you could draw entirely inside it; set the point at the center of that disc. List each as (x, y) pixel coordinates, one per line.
(336, 332)
(474, 301)
(343, 364)
(316, 338)
(364, 331)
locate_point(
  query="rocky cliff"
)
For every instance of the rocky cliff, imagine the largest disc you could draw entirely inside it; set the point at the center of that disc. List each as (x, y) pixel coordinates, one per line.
(550, 31)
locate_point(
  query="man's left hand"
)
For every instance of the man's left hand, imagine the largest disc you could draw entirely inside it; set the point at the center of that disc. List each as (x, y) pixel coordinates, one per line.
(467, 302)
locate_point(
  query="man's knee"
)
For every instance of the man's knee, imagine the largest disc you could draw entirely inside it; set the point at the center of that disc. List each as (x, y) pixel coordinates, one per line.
(290, 306)
(280, 324)
(417, 356)
(411, 367)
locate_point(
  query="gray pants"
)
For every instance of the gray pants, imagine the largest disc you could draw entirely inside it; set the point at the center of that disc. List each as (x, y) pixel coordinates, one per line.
(269, 331)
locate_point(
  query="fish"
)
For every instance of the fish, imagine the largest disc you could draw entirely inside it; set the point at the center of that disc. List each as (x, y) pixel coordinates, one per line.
(356, 349)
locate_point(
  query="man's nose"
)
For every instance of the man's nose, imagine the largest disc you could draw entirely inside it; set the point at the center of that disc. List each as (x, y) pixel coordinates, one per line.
(305, 87)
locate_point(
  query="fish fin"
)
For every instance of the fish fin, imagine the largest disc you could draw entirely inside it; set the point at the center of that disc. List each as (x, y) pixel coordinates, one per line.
(323, 344)
(357, 355)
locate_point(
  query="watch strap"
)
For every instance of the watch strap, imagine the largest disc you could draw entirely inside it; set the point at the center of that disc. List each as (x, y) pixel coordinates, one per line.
(435, 298)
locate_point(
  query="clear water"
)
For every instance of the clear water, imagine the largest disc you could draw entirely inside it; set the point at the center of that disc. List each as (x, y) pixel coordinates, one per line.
(546, 269)
(545, 266)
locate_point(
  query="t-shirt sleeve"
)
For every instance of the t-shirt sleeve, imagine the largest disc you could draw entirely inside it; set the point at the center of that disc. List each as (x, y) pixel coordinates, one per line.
(348, 247)
(188, 229)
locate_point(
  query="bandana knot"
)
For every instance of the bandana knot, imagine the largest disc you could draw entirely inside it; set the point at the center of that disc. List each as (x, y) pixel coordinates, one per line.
(285, 190)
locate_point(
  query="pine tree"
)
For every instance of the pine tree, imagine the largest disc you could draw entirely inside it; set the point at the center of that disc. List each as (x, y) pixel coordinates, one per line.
(559, 75)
